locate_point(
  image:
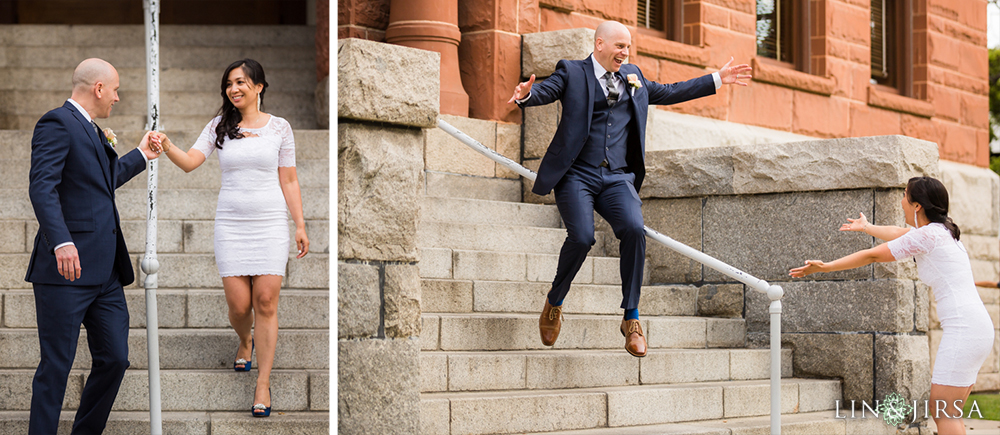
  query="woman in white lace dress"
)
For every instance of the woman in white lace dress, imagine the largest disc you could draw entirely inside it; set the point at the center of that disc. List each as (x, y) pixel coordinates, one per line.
(943, 264)
(259, 188)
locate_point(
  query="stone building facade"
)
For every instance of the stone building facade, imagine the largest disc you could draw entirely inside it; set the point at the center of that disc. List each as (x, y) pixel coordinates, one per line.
(827, 92)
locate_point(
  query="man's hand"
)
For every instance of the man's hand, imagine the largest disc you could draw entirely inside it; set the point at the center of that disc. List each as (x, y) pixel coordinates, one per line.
(146, 149)
(68, 262)
(733, 74)
(522, 89)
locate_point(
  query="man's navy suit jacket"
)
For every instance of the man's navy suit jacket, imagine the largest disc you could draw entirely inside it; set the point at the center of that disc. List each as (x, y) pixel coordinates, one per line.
(73, 177)
(574, 83)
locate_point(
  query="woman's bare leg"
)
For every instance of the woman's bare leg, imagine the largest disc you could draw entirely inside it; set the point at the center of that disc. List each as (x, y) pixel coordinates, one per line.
(265, 312)
(948, 421)
(238, 296)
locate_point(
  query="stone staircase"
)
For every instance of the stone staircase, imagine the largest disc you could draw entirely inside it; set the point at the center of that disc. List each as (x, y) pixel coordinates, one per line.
(200, 392)
(486, 263)
(37, 62)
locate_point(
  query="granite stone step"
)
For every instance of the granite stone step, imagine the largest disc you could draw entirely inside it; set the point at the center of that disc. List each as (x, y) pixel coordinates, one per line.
(172, 236)
(189, 423)
(187, 390)
(170, 35)
(616, 407)
(559, 369)
(172, 204)
(820, 422)
(462, 264)
(480, 296)
(497, 238)
(490, 331)
(312, 173)
(120, 122)
(183, 308)
(204, 103)
(296, 107)
(477, 211)
(310, 144)
(171, 56)
(184, 348)
(196, 271)
(443, 184)
(177, 79)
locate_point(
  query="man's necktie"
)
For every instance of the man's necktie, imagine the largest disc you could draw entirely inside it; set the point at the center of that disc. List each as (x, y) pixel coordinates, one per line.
(612, 89)
(96, 129)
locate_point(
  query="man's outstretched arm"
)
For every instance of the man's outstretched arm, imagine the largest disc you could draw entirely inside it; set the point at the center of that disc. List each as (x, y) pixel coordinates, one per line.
(550, 90)
(673, 93)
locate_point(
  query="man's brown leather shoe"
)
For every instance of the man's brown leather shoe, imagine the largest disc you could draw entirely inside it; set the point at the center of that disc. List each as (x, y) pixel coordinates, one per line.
(550, 323)
(635, 341)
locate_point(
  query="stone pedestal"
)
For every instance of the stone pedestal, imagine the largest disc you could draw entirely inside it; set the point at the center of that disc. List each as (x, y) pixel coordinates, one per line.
(765, 209)
(380, 176)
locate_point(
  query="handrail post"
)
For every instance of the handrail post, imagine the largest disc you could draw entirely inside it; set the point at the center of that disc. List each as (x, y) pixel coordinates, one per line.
(774, 292)
(150, 265)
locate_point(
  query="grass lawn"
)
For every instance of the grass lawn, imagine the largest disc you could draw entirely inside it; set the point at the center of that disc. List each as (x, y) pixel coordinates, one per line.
(989, 405)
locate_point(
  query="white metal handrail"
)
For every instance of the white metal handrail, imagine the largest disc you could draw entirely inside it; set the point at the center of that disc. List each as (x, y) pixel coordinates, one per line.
(773, 292)
(150, 265)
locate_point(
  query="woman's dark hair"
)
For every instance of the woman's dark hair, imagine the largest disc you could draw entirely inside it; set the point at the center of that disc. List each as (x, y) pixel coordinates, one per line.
(231, 116)
(933, 197)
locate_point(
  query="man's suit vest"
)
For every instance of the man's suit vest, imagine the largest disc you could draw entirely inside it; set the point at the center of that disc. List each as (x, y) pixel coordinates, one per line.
(608, 130)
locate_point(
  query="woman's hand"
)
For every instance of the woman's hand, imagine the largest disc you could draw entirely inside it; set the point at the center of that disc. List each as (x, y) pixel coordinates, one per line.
(159, 142)
(146, 146)
(811, 267)
(858, 224)
(302, 242)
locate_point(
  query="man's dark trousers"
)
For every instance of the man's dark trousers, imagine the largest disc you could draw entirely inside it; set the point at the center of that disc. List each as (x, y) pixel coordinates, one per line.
(102, 310)
(583, 190)
(588, 135)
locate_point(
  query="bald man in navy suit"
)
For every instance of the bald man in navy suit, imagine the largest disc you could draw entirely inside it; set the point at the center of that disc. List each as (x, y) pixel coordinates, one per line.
(80, 263)
(595, 162)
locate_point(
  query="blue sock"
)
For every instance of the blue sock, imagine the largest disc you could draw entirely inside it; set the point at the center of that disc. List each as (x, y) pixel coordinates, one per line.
(554, 303)
(632, 314)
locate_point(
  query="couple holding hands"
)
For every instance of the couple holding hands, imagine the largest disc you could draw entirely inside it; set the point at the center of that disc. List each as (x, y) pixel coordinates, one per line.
(80, 264)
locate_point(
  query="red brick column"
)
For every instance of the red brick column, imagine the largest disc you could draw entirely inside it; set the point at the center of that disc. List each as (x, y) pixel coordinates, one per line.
(490, 54)
(432, 25)
(322, 39)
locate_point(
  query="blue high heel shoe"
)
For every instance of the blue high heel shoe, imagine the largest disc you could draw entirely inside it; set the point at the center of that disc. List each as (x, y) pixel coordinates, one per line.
(245, 362)
(264, 411)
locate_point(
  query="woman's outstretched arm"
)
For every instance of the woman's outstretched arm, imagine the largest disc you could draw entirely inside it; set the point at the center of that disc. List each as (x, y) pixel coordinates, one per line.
(879, 254)
(883, 232)
(988, 284)
(187, 161)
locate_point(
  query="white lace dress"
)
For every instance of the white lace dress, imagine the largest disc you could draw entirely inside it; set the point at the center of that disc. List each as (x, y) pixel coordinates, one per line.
(251, 220)
(943, 264)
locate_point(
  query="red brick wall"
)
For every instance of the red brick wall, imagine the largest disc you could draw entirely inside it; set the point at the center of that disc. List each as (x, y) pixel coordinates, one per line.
(365, 19)
(322, 39)
(949, 103)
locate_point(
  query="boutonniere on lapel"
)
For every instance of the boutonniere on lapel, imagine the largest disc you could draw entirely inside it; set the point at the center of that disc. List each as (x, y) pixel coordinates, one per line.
(110, 135)
(633, 80)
